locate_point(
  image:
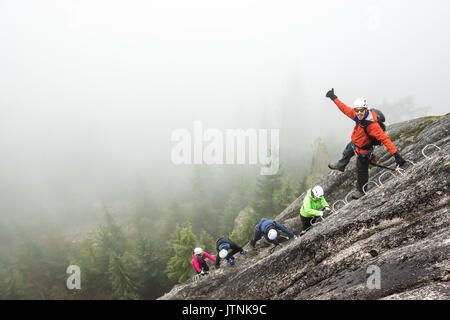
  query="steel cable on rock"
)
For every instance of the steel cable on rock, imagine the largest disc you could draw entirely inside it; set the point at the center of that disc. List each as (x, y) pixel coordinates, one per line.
(379, 184)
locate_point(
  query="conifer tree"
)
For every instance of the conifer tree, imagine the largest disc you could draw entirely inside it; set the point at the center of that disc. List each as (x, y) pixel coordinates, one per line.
(267, 187)
(95, 281)
(13, 284)
(111, 237)
(115, 258)
(239, 198)
(319, 162)
(245, 232)
(204, 211)
(301, 185)
(284, 196)
(207, 242)
(231, 210)
(174, 215)
(123, 273)
(153, 259)
(179, 267)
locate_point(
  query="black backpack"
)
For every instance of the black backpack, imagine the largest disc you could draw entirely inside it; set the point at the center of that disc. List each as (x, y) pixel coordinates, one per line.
(223, 239)
(380, 120)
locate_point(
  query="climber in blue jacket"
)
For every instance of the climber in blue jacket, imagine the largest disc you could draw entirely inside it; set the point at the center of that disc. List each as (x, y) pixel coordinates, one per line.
(268, 228)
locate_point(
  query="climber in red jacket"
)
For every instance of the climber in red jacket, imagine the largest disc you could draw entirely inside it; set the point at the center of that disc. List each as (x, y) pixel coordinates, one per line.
(199, 260)
(366, 131)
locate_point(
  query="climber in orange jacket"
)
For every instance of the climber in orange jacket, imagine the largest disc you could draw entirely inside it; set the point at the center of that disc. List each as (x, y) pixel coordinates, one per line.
(366, 131)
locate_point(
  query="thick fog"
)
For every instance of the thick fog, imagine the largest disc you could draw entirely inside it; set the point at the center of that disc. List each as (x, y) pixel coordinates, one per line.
(91, 91)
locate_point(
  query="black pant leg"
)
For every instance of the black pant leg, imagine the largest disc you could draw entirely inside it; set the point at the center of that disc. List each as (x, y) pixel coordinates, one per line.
(346, 156)
(362, 165)
(306, 222)
(217, 263)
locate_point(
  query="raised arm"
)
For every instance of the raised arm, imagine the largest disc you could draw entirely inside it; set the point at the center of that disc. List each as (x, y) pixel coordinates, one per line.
(349, 112)
(209, 256)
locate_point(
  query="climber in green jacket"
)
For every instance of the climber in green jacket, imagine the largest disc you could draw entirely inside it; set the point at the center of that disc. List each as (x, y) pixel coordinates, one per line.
(314, 205)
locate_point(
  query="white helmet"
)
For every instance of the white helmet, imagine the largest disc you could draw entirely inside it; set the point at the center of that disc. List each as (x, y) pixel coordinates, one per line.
(198, 251)
(223, 253)
(317, 192)
(360, 103)
(272, 234)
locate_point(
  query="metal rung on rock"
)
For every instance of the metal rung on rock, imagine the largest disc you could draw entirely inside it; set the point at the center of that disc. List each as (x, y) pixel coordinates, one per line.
(368, 182)
(428, 145)
(379, 178)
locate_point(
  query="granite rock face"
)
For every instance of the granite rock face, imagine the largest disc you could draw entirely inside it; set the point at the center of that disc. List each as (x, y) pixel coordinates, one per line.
(393, 243)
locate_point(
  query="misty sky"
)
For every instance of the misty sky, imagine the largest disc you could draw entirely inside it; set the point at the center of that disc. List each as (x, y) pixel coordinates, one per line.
(90, 91)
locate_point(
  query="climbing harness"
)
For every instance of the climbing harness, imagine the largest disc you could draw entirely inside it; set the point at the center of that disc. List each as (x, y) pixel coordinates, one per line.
(359, 154)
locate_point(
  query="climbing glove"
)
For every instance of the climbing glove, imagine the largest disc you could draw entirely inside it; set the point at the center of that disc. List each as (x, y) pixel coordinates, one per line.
(398, 159)
(330, 94)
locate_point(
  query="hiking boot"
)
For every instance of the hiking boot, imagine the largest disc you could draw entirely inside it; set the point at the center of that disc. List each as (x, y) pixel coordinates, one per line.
(334, 166)
(357, 194)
